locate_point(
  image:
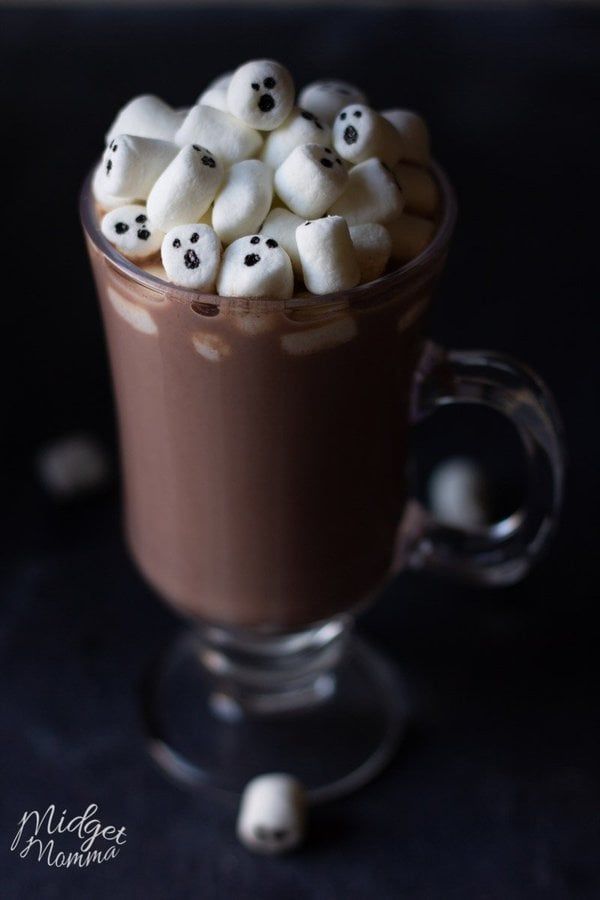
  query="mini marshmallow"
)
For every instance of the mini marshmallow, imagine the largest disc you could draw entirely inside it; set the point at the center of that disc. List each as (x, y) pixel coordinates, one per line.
(191, 255)
(215, 94)
(414, 133)
(419, 188)
(327, 255)
(300, 127)
(310, 180)
(256, 266)
(373, 195)
(261, 94)
(410, 235)
(131, 230)
(373, 247)
(458, 494)
(186, 188)
(281, 224)
(131, 164)
(104, 199)
(359, 133)
(272, 816)
(326, 98)
(243, 201)
(73, 466)
(227, 137)
(147, 116)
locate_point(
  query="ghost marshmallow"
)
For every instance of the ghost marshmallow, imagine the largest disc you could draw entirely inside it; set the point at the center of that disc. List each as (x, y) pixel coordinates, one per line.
(256, 266)
(131, 164)
(131, 231)
(227, 137)
(414, 133)
(147, 116)
(300, 127)
(261, 94)
(104, 198)
(310, 180)
(359, 133)
(372, 195)
(373, 246)
(327, 255)
(281, 224)
(191, 256)
(272, 814)
(186, 188)
(326, 98)
(243, 201)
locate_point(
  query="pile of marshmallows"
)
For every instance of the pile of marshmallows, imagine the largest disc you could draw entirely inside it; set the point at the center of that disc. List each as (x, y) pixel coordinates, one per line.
(324, 193)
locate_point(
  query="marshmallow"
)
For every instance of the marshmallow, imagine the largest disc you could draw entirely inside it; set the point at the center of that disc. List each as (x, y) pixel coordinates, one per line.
(414, 133)
(327, 255)
(410, 235)
(256, 266)
(147, 116)
(131, 230)
(372, 195)
(243, 201)
(272, 814)
(215, 94)
(134, 314)
(300, 127)
(73, 466)
(261, 94)
(320, 337)
(458, 495)
(228, 138)
(359, 133)
(281, 224)
(326, 98)
(131, 165)
(373, 246)
(186, 188)
(212, 347)
(419, 188)
(104, 199)
(191, 255)
(310, 180)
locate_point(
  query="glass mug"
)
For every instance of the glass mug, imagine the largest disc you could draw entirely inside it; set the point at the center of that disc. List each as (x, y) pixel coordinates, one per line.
(263, 448)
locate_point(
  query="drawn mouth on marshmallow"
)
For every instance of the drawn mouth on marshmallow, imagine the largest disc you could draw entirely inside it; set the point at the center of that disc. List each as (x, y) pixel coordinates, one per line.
(350, 134)
(134, 315)
(190, 259)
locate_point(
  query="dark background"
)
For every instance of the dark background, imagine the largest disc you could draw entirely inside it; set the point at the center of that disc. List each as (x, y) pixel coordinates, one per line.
(495, 793)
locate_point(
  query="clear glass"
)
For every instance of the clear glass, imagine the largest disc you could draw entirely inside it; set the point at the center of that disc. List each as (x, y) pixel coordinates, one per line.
(263, 446)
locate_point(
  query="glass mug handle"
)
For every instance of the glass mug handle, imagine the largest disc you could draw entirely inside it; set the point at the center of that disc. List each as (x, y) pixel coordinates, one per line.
(502, 553)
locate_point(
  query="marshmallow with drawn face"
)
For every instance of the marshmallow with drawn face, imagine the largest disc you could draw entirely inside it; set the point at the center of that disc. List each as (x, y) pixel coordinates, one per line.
(310, 180)
(327, 255)
(256, 266)
(359, 133)
(227, 137)
(410, 236)
(372, 195)
(300, 127)
(419, 188)
(104, 198)
(131, 231)
(147, 116)
(261, 94)
(186, 188)
(281, 224)
(373, 247)
(191, 255)
(131, 164)
(243, 201)
(272, 814)
(326, 98)
(215, 94)
(414, 133)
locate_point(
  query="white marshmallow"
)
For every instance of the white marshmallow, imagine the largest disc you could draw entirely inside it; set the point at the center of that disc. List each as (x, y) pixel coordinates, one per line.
(225, 136)
(458, 495)
(372, 195)
(256, 266)
(410, 235)
(373, 247)
(281, 224)
(72, 466)
(261, 94)
(132, 231)
(327, 255)
(326, 98)
(310, 180)
(215, 94)
(191, 255)
(324, 336)
(272, 816)
(414, 133)
(359, 133)
(104, 199)
(243, 201)
(300, 127)
(131, 165)
(186, 188)
(137, 316)
(147, 116)
(419, 188)
(212, 347)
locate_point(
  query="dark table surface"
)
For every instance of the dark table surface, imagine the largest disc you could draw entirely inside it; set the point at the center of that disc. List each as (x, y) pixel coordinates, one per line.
(495, 793)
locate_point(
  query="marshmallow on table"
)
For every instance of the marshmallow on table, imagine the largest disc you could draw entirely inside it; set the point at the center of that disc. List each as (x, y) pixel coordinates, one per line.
(310, 180)
(300, 127)
(243, 201)
(191, 255)
(131, 165)
(373, 247)
(227, 137)
(261, 94)
(326, 98)
(256, 266)
(186, 188)
(147, 116)
(272, 814)
(373, 195)
(414, 133)
(281, 224)
(359, 133)
(327, 255)
(215, 94)
(419, 188)
(410, 235)
(105, 199)
(131, 230)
